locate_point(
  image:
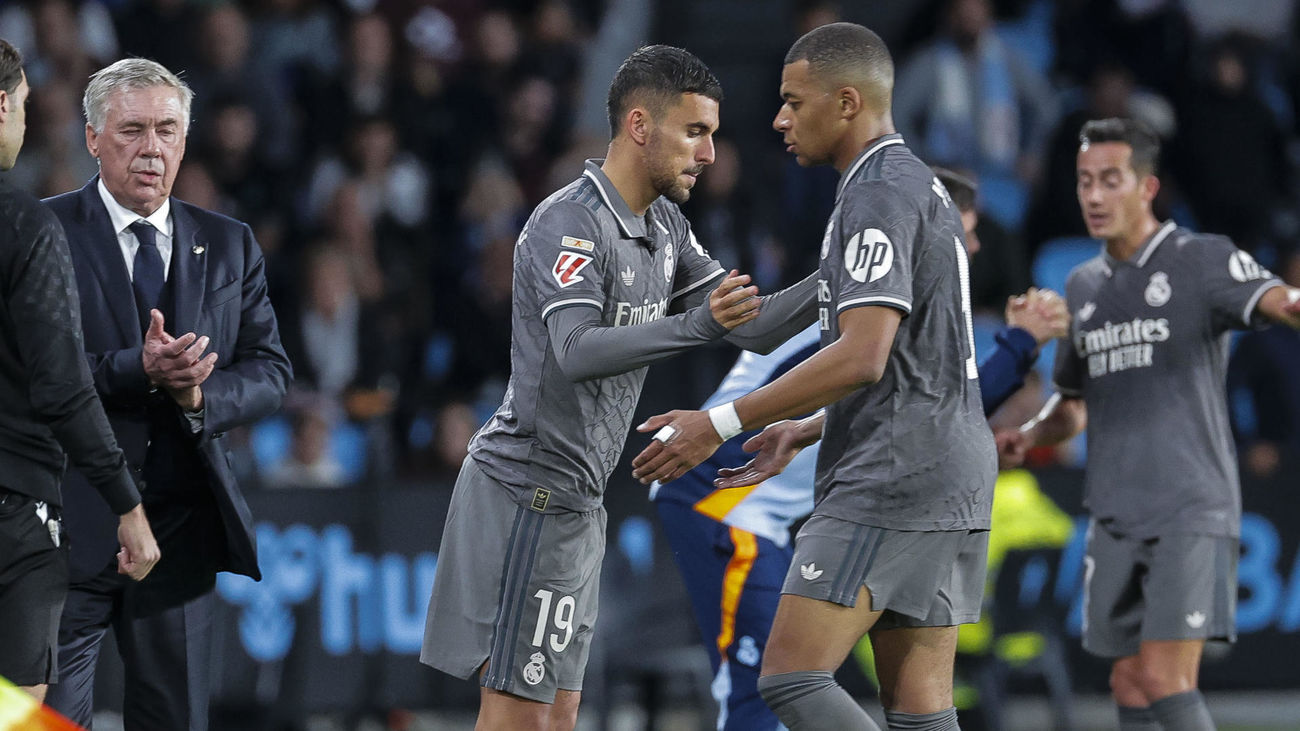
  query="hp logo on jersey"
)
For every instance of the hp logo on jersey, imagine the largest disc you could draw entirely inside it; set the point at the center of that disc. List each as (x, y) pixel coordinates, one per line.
(869, 255)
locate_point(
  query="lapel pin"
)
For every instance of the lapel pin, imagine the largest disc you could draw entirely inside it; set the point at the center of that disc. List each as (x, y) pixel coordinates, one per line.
(197, 248)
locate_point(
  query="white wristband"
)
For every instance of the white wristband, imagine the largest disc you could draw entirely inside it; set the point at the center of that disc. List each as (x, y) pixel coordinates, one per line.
(725, 420)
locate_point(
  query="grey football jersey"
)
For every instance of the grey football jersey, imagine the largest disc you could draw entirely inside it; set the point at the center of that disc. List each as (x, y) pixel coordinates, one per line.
(1148, 353)
(913, 451)
(582, 247)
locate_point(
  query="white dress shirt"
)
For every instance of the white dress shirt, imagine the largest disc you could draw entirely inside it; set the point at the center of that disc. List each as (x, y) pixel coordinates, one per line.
(122, 218)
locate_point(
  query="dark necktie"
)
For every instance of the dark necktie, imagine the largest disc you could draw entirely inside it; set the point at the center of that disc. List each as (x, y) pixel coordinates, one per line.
(147, 272)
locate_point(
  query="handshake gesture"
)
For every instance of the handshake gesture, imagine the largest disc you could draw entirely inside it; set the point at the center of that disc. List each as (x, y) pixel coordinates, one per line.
(1040, 312)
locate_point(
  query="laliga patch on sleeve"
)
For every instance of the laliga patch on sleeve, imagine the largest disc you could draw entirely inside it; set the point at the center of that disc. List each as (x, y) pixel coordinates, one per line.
(575, 243)
(567, 266)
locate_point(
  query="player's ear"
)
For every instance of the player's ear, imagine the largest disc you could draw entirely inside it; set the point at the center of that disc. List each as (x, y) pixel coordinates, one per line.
(850, 102)
(637, 125)
(1150, 186)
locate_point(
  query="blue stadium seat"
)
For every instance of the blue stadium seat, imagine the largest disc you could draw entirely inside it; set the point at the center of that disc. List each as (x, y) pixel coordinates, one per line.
(1031, 35)
(1003, 197)
(348, 443)
(272, 438)
(1056, 257)
(986, 327)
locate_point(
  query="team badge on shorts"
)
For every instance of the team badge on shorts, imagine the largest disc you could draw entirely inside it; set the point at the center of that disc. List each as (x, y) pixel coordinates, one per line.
(1158, 290)
(534, 671)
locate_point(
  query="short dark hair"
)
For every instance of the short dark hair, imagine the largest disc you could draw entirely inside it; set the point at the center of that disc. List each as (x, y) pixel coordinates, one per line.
(11, 67)
(1144, 142)
(848, 53)
(961, 189)
(656, 76)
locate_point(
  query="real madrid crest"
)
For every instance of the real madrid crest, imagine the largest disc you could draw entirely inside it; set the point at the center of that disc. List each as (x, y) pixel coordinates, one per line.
(534, 670)
(668, 261)
(826, 238)
(1158, 290)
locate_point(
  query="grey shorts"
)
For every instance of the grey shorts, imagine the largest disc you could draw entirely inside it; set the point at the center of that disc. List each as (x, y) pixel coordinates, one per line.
(1175, 587)
(919, 578)
(514, 588)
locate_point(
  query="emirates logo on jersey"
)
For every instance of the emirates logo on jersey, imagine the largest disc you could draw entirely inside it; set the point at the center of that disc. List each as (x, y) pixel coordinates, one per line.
(567, 266)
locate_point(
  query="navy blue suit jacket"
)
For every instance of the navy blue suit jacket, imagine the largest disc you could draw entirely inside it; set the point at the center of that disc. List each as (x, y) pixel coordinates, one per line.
(218, 283)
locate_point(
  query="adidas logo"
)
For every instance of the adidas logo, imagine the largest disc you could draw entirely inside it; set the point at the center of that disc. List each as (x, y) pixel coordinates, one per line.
(1086, 311)
(809, 571)
(1196, 620)
(628, 276)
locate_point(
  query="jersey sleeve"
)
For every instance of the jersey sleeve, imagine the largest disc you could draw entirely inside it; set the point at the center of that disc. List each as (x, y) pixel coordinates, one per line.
(695, 268)
(561, 260)
(879, 229)
(1233, 282)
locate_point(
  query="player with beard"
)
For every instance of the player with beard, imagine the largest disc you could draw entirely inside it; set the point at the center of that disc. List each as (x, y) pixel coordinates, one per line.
(1144, 368)
(608, 278)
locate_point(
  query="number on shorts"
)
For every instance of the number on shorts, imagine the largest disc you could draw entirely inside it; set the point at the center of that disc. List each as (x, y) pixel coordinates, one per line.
(564, 609)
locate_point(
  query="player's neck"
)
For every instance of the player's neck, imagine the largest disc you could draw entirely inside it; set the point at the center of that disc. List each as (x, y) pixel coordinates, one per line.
(1125, 246)
(627, 173)
(859, 138)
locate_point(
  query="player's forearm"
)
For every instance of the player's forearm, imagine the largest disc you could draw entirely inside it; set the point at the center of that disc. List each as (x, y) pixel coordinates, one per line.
(1279, 304)
(1003, 372)
(831, 374)
(585, 349)
(1061, 423)
(809, 431)
(780, 317)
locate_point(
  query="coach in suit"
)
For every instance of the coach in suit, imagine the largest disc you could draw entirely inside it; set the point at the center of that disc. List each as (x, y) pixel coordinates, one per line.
(183, 345)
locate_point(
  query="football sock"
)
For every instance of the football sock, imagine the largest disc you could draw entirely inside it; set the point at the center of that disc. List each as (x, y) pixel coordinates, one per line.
(1184, 711)
(945, 720)
(808, 700)
(1134, 718)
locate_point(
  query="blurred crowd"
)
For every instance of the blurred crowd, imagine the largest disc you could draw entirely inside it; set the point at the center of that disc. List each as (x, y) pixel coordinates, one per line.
(387, 152)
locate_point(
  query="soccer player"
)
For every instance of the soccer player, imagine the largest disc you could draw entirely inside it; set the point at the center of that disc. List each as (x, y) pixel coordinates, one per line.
(898, 535)
(731, 544)
(608, 278)
(1144, 367)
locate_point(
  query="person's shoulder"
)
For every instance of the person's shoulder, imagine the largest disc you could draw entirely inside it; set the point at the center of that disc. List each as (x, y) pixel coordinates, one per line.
(14, 200)
(1092, 271)
(209, 219)
(576, 205)
(1184, 239)
(881, 197)
(62, 204)
(24, 211)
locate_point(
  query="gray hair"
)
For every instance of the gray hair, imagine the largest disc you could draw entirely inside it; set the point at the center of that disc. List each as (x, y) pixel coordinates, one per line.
(131, 73)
